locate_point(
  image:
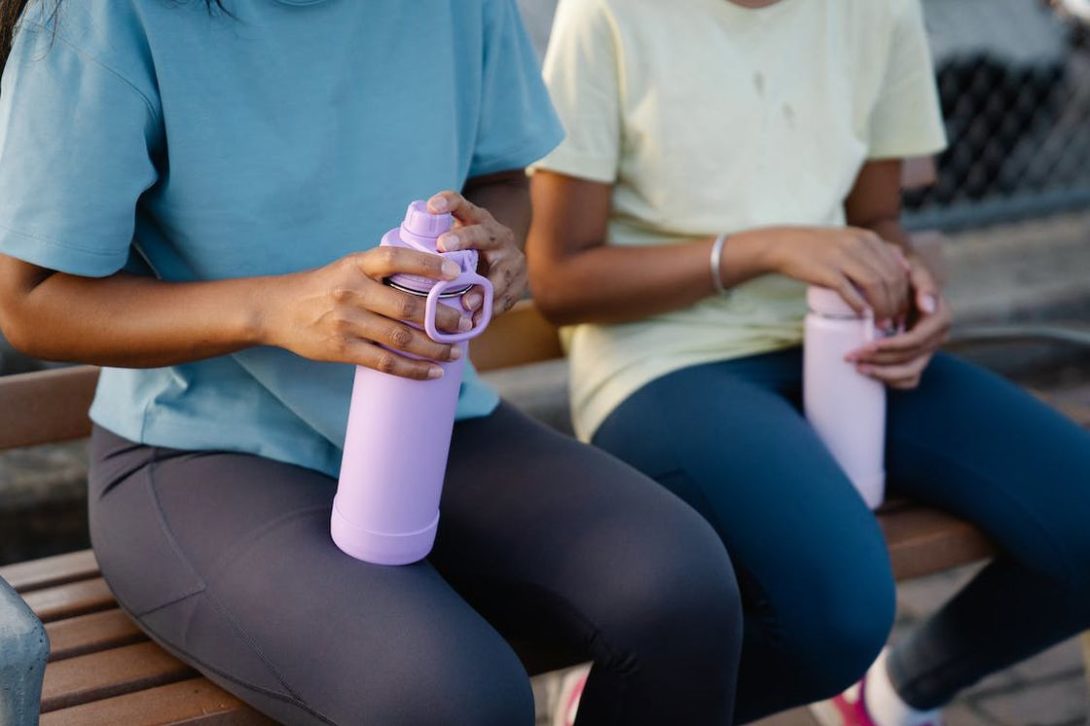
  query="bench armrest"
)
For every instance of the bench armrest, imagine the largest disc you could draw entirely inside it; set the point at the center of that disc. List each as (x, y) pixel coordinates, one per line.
(24, 649)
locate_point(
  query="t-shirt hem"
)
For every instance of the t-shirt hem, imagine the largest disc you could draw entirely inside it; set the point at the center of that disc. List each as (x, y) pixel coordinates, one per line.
(571, 162)
(518, 155)
(62, 257)
(156, 429)
(906, 150)
(588, 417)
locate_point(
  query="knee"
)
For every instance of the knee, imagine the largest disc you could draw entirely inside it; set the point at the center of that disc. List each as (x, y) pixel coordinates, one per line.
(674, 596)
(476, 687)
(848, 625)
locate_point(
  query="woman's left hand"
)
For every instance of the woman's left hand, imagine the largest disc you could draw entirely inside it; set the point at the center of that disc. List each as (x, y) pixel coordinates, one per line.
(899, 361)
(502, 262)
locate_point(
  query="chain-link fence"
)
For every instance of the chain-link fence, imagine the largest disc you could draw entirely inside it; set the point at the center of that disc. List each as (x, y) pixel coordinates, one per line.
(1014, 81)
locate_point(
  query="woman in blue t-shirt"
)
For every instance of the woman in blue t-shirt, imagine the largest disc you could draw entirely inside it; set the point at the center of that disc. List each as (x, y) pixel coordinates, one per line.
(190, 195)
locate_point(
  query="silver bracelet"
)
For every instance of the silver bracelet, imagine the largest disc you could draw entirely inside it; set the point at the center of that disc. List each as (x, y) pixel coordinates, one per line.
(716, 261)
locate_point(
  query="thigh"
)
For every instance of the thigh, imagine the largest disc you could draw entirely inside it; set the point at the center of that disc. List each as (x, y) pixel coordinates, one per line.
(226, 559)
(729, 439)
(550, 536)
(977, 445)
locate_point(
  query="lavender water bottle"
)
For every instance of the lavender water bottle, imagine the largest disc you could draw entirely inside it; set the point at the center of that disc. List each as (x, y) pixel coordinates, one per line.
(395, 455)
(845, 407)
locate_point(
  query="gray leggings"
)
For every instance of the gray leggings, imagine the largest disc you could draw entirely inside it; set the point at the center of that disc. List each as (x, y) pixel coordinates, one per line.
(225, 559)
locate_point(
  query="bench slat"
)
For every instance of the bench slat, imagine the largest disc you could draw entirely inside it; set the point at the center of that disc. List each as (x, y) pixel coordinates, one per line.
(66, 601)
(191, 701)
(925, 541)
(52, 406)
(51, 571)
(91, 633)
(93, 677)
(520, 336)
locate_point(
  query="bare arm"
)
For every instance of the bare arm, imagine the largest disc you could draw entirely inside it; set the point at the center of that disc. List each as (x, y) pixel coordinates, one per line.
(874, 202)
(576, 277)
(125, 320)
(341, 312)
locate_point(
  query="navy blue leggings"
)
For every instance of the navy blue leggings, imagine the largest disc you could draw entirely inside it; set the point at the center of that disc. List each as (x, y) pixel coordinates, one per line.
(817, 588)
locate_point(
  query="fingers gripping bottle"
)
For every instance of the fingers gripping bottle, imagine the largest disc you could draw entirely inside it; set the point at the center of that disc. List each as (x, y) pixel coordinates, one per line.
(845, 407)
(395, 455)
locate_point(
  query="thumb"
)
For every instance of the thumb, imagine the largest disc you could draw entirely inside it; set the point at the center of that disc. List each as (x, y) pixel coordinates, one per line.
(927, 291)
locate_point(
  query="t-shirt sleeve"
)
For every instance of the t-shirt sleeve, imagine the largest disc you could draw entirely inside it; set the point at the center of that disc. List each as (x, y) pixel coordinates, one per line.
(517, 123)
(907, 119)
(74, 157)
(582, 72)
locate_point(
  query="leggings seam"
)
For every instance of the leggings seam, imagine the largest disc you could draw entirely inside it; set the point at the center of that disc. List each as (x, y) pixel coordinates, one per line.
(219, 607)
(202, 665)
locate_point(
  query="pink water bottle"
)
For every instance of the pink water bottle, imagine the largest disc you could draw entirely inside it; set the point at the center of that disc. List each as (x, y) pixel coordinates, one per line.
(395, 453)
(846, 408)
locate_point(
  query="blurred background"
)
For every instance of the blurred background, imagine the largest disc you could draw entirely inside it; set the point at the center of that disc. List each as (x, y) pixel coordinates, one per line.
(1009, 211)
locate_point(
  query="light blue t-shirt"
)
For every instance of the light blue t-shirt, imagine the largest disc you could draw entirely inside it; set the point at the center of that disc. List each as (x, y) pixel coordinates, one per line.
(151, 136)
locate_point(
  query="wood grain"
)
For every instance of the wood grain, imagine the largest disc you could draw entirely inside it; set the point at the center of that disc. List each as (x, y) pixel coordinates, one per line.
(91, 633)
(93, 677)
(51, 571)
(66, 601)
(52, 406)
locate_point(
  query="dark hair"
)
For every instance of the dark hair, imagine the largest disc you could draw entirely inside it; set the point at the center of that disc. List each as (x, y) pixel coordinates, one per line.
(12, 10)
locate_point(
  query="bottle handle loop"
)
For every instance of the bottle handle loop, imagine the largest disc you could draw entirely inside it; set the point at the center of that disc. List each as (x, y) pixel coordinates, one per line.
(431, 307)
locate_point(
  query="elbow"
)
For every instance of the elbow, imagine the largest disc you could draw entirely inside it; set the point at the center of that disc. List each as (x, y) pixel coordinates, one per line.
(23, 333)
(553, 301)
(16, 332)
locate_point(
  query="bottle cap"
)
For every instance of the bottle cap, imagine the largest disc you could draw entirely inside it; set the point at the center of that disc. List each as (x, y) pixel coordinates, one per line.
(422, 223)
(825, 301)
(420, 231)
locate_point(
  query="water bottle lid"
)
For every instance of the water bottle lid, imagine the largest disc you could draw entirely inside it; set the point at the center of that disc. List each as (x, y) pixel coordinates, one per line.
(825, 301)
(422, 223)
(420, 231)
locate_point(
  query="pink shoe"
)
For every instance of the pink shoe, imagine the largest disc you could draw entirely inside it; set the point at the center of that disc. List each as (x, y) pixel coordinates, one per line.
(848, 709)
(571, 691)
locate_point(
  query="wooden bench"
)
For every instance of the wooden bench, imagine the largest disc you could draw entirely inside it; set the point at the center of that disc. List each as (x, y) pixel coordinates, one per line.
(103, 670)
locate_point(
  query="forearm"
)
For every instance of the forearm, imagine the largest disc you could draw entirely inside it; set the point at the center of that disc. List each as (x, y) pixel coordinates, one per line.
(617, 284)
(134, 322)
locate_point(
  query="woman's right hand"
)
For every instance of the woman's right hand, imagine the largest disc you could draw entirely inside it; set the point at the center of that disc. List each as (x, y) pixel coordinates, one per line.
(344, 313)
(867, 271)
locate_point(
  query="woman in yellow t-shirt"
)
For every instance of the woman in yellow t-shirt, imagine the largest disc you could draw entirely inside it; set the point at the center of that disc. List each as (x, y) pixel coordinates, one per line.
(721, 155)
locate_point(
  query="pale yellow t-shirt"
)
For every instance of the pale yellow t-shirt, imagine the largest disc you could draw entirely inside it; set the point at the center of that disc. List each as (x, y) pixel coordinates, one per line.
(711, 118)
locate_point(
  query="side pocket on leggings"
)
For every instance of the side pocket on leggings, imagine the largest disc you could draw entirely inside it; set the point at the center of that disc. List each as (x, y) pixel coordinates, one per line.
(135, 549)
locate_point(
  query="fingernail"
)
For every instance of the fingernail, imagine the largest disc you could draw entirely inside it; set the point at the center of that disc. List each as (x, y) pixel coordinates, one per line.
(435, 372)
(474, 300)
(450, 269)
(447, 242)
(465, 325)
(929, 304)
(456, 352)
(439, 204)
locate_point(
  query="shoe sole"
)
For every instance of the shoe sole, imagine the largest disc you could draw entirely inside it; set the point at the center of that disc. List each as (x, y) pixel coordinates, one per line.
(826, 714)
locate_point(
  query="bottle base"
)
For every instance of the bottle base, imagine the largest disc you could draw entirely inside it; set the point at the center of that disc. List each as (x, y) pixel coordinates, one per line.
(380, 548)
(872, 489)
